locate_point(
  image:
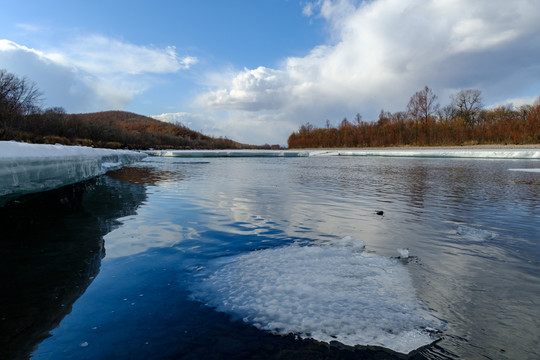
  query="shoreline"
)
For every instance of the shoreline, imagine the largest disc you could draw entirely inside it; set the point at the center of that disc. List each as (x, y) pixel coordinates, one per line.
(455, 147)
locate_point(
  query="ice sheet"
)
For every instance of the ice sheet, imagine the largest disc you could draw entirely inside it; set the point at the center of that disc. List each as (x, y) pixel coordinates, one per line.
(227, 153)
(475, 234)
(443, 153)
(431, 153)
(536, 170)
(328, 292)
(27, 168)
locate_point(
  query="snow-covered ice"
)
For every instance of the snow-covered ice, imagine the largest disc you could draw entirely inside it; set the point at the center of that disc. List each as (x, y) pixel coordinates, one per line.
(328, 292)
(535, 170)
(227, 153)
(427, 153)
(27, 168)
(438, 153)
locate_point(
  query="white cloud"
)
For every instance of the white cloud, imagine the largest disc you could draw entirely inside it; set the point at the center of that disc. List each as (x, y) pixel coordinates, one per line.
(93, 73)
(380, 52)
(28, 27)
(61, 85)
(185, 118)
(241, 126)
(102, 55)
(258, 89)
(516, 103)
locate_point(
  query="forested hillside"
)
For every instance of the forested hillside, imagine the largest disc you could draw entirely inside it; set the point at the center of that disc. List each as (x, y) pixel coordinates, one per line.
(22, 119)
(463, 122)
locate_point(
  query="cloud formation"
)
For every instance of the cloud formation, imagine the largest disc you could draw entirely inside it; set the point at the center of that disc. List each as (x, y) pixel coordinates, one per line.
(92, 73)
(380, 52)
(102, 55)
(376, 55)
(258, 89)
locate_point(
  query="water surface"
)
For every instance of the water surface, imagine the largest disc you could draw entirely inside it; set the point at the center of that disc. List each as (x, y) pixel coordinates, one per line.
(161, 228)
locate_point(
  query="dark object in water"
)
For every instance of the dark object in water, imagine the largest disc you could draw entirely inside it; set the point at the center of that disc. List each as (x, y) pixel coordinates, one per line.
(380, 212)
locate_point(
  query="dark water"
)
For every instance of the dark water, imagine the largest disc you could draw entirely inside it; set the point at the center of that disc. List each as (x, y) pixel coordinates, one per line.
(103, 269)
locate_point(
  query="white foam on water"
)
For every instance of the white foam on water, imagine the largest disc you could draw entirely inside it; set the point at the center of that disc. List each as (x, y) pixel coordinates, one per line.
(328, 292)
(474, 234)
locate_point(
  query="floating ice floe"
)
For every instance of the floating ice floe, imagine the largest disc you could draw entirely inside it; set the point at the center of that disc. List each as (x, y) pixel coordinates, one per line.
(473, 234)
(27, 168)
(403, 253)
(328, 292)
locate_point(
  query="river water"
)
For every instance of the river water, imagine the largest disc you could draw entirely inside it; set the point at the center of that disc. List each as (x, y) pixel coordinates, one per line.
(201, 258)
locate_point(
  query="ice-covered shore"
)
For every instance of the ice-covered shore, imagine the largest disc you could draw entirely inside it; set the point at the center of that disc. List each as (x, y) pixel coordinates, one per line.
(27, 168)
(480, 153)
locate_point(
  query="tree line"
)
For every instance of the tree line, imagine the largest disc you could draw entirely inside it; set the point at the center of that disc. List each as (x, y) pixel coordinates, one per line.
(22, 118)
(464, 121)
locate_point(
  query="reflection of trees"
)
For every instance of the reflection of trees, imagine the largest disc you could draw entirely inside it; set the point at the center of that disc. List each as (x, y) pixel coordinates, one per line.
(144, 175)
(51, 249)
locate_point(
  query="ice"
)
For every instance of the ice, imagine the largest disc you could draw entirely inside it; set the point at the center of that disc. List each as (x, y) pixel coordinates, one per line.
(403, 253)
(27, 168)
(227, 153)
(474, 234)
(328, 292)
(438, 153)
(425, 153)
(537, 170)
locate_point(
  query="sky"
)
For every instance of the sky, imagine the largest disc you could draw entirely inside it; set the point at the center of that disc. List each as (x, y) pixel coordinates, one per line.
(254, 71)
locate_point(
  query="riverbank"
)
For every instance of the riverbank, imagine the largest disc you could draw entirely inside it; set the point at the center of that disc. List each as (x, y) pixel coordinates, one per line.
(457, 147)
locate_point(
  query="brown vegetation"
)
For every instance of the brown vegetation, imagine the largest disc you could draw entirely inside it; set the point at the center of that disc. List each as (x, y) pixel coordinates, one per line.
(22, 119)
(463, 122)
(110, 129)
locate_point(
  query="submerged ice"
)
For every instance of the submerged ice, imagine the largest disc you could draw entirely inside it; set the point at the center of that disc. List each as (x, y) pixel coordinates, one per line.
(328, 292)
(473, 234)
(27, 168)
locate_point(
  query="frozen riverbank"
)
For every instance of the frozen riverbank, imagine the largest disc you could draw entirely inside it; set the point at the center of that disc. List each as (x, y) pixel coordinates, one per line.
(431, 152)
(27, 168)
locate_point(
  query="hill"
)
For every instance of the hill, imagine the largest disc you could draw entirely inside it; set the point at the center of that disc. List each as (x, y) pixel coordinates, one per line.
(23, 119)
(110, 129)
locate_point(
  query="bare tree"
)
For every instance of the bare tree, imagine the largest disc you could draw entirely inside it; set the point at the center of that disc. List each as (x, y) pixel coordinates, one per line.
(422, 105)
(327, 124)
(468, 105)
(447, 113)
(17, 96)
(358, 119)
(345, 123)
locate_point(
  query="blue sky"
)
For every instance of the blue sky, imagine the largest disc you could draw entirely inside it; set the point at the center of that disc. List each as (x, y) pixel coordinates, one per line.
(254, 71)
